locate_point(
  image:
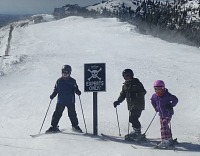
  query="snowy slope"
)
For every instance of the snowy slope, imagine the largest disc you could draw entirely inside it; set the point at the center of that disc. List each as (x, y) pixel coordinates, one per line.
(44, 48)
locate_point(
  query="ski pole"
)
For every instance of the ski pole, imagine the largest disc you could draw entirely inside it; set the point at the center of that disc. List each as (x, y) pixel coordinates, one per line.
(129, 122)
(118, 121)
(174, 140)
(45, 115)
(82, 113)
(150, 123)
(170, 128)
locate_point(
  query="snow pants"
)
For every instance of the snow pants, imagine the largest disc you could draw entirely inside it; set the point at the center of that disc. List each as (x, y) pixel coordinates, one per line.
(58, 113)
(165, 129)
(134, 118)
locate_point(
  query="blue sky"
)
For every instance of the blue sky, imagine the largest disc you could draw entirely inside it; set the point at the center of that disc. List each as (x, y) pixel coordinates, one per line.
(37, 6)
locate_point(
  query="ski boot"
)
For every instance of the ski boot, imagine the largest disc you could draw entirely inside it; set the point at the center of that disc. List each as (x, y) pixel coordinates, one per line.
(135, 135)
(166, 143)
(77, 129)
(53, 130)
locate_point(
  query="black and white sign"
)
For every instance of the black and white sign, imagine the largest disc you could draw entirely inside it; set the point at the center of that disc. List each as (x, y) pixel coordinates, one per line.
(95, 77)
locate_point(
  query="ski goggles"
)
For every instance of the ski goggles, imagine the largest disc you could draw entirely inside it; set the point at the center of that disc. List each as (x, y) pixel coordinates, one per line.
(159, 89)
(66, 72)
(127, 77)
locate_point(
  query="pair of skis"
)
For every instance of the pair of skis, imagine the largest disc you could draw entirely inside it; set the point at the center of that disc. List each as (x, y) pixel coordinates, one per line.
(61, 131)
(140, 142)
(120, 138)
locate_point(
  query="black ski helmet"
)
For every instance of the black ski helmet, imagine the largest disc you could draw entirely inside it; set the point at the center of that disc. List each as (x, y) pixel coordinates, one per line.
(127, 72)
(67, 68)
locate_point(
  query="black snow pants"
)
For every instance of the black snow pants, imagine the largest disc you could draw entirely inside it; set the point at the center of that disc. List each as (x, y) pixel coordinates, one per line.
(58, 113)
(134, 118)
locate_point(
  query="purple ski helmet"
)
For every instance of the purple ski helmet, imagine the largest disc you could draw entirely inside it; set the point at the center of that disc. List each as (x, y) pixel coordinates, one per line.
(159, 83)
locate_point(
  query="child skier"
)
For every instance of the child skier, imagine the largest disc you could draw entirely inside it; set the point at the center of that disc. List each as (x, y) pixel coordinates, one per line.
(133, 91)
(65, 88)
(163, 102)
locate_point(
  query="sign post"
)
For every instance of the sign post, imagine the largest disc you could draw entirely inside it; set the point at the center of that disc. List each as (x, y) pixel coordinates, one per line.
(95, 81)
(95, 114)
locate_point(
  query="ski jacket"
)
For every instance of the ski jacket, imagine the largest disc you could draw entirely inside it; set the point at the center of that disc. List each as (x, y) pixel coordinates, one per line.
(164, 104)
(66, 89)
(133, 91)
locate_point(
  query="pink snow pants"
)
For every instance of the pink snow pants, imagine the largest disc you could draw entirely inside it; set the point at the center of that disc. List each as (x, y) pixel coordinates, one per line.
(165, 129)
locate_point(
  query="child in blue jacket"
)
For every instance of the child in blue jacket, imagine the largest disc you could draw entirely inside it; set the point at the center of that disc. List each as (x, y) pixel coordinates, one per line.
(65, 89)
